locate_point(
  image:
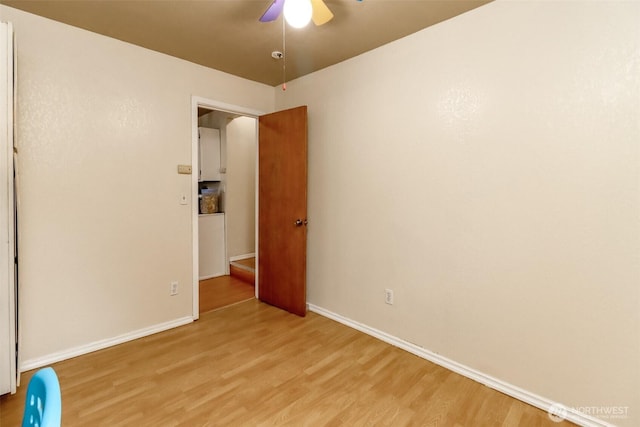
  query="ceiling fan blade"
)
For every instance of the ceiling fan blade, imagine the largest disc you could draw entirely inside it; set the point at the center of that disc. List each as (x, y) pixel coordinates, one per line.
(273, 11)
(321, 13)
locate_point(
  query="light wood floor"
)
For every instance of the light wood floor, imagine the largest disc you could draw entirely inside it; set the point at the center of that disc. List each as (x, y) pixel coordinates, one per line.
(247, 262)
(251, 364)
(223, 291)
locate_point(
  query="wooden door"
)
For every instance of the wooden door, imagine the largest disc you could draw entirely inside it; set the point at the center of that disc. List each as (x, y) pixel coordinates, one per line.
(282, 213)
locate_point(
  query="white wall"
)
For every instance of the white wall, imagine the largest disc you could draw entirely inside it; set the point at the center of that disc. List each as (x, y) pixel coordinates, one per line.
(102, 126)
(487, 170)
(241, 186)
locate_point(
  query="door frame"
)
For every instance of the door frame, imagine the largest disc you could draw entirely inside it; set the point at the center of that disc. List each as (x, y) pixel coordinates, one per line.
(197, 101)
(9, 375)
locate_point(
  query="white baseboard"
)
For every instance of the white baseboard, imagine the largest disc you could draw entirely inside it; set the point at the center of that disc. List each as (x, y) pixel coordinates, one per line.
(39, 362)
(211, 276)
(487, 380)
(240, 257)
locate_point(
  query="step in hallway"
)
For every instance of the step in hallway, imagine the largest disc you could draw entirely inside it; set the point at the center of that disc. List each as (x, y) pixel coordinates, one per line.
(223, 291)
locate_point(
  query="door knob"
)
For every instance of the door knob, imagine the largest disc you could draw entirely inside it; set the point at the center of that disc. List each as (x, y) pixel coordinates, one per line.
(300, 222)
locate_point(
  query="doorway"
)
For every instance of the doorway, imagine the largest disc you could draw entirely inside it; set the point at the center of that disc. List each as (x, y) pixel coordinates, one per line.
(237, 124)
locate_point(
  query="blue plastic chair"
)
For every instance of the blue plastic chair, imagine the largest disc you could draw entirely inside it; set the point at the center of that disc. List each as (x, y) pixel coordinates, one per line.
(43, 407)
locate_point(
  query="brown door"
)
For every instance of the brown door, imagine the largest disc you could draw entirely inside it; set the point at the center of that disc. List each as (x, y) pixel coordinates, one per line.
(282, 213)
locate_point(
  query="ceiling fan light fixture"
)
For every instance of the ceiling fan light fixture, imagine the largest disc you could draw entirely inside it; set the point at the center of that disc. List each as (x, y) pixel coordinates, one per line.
(298, 12)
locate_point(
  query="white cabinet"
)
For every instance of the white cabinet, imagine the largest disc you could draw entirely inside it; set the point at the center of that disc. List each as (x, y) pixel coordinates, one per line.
(209, 154)
(211, 242)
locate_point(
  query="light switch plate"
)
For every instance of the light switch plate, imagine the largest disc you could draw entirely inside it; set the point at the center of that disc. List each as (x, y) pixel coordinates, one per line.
(183, 199)
(184, 169)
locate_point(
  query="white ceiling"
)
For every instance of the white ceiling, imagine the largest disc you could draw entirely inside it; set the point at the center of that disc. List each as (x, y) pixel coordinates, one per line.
(226, 34)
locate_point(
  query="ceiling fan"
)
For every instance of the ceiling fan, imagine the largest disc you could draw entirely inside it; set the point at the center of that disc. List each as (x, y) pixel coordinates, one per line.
(298, 12)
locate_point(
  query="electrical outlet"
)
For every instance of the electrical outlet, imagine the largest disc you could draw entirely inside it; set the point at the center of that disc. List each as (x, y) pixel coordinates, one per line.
(388, 296)
(173, 289)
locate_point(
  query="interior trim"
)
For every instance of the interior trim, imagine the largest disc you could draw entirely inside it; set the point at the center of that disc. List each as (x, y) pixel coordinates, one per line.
(39, 362)
(509, 389)
(241, 257)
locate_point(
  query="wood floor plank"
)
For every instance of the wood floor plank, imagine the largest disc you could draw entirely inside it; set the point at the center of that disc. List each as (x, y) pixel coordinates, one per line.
(222, 291)
(251, 364)
(247, 262)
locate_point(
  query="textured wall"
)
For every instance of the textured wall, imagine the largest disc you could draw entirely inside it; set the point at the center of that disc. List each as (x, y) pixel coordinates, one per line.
(487, 170)
(241, 186)
(102, 126)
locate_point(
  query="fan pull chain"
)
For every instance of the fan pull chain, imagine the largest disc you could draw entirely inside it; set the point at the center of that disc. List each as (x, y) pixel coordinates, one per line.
(284, 56)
